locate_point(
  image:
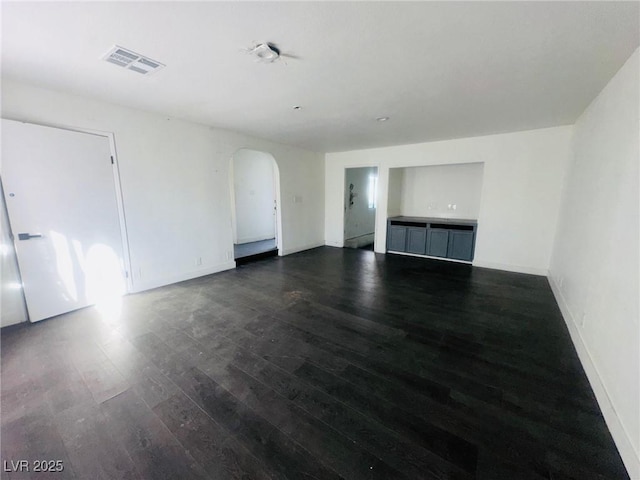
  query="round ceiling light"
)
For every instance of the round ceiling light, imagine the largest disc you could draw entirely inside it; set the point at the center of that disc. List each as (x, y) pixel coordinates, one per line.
(382, 119)
(266, 52)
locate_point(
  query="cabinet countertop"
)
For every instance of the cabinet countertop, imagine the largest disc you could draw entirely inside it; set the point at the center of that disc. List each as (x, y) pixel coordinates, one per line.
(453, 221)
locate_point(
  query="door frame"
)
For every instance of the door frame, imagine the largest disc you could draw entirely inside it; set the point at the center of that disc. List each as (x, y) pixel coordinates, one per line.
(118, 189)
(344, 205)
(277, 197)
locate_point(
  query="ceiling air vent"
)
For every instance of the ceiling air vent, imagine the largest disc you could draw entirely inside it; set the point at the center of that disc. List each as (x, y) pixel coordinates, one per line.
(132, 61)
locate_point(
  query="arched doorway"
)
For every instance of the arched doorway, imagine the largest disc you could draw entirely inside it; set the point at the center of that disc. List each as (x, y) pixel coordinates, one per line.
(255, 200)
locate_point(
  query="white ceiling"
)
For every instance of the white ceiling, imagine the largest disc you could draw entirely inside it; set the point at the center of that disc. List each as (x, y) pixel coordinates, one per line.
(438, 70)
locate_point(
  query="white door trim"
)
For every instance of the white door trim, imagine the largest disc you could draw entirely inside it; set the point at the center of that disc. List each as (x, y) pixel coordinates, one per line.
(116, 180)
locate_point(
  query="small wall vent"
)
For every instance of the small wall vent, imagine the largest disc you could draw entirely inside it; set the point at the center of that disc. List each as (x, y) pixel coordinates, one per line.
(132, 61)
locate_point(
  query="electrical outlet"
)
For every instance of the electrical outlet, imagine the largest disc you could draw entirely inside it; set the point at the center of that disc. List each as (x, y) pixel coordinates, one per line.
(229, 255)
(198, 261)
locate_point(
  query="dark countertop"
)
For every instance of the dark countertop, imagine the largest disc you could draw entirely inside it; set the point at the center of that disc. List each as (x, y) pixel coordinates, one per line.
(453, 221)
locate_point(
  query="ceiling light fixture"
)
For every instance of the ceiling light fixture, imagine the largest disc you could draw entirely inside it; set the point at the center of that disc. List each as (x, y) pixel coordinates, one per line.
(297, 107)
(266, 52)
(382, 119)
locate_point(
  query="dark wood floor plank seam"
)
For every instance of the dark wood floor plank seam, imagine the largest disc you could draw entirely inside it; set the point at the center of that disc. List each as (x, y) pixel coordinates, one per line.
(200, 405)
(249, 373)
(453, 389)
(346, 406)
(284, 398)
(289, 331)
(349, 347)
(566, 452)
(300, 428)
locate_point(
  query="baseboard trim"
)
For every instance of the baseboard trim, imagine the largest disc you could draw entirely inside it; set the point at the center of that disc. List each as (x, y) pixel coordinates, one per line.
(430, 257)
(618, 432)
(14, 317)
(334, 243)
(141, 286)
(289, 251)
(511, 268)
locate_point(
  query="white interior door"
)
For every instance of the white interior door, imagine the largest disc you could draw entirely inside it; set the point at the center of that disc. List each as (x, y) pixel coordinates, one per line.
(60, 193)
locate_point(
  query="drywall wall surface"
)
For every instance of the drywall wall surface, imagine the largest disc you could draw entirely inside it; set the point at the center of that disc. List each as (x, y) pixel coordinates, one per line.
(522, 181)
(451, 191)
(394, 197)
(594, 268)
(359, 217)
(175, 182)
(254, 196)
(12, 306)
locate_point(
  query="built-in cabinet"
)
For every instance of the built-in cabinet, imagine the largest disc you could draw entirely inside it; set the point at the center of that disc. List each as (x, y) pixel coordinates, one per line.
(435, 237)
(416, 240)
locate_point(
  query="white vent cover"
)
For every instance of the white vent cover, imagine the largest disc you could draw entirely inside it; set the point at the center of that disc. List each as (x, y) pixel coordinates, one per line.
(132, 61)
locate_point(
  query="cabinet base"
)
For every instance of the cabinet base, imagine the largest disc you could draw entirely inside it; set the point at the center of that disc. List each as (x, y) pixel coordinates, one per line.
(430, 256)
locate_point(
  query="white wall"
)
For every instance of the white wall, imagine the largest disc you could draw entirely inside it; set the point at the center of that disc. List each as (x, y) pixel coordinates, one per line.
(175, 182)
(12, 306)
(522, 180)
(394, 195)
(594, 269)
(359, 219)
(428, 191)
(254, 196)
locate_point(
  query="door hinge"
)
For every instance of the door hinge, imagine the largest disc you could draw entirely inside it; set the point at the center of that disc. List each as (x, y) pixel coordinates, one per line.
(126, 274)
(111, 159)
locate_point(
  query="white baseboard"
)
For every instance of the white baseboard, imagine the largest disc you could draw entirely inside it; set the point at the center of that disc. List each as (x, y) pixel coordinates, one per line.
(289, 251)
(12, 318)
(334, 243)
(140, 286)
(511, 268)
(618, 432)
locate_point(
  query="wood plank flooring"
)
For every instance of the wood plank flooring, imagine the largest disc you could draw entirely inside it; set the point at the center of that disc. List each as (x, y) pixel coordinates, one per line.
(327, 364)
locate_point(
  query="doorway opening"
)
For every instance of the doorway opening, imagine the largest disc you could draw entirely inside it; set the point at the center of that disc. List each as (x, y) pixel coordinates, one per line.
(255, 187)
(360, 203)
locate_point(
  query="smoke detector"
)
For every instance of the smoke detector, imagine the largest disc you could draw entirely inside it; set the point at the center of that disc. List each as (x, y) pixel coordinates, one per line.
(132, 61)
(265, 52)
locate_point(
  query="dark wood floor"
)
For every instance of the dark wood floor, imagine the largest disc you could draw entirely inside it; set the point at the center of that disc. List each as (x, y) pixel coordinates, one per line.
(331, 363)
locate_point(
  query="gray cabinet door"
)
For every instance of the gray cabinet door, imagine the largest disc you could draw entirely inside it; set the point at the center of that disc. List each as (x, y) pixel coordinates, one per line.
(460, 245)
(397, 240)
(437, 242)
(416, 240)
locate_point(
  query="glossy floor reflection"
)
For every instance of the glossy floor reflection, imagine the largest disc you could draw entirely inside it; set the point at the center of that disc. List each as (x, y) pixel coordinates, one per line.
(330, 363)
(243, 250)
